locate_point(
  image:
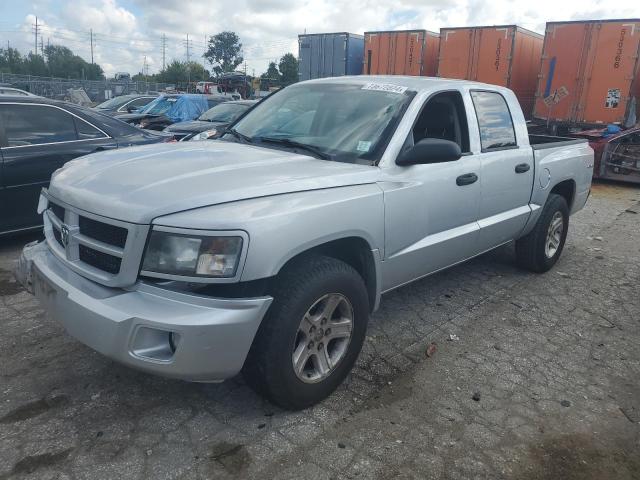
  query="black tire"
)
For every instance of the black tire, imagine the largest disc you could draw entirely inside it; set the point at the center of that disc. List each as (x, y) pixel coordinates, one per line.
(269, 367)
(530, 249)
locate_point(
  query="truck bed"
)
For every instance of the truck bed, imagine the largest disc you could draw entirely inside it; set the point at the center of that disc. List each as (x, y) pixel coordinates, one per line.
(540, 142)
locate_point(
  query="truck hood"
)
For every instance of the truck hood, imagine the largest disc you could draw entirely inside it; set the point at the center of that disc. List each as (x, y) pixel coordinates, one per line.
(141, 183)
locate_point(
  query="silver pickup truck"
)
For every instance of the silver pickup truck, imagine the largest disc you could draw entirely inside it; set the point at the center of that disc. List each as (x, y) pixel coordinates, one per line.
(266, 251)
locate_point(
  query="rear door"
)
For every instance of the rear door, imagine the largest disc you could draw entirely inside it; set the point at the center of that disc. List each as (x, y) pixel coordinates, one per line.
(40, 138)
(506, 171)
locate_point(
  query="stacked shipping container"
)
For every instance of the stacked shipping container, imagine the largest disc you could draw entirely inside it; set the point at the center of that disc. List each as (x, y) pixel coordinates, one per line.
(329, 55)
(402, 52)
(590, 73)
(505, 55)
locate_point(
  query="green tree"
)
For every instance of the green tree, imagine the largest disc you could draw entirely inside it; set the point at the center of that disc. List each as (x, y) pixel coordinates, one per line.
(35, 65)
(288, 67)
(197, 72)
(224, 52)
(175, 72)
(11, 61)
(272, 74)
(62, 62)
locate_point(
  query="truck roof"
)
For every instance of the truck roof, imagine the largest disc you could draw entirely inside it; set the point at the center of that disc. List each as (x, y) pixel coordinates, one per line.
(411, 82)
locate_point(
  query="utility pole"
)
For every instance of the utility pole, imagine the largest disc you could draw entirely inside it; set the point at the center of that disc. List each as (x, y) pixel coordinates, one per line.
(91, 39)
(187, 44)
(42, 45)
(36, 30)
(164, 49)
(204, 59)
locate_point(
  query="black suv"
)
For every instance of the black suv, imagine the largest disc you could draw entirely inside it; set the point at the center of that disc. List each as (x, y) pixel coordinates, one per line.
(38, 136)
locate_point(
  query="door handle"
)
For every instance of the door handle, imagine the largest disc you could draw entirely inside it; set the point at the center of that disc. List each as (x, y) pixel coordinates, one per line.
(522, 167)
(466, 179)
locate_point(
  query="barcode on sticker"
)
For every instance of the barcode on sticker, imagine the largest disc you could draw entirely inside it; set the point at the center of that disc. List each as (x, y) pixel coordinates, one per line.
(385, 87)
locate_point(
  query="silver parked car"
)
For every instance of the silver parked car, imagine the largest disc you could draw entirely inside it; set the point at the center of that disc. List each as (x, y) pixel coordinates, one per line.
(266, 251)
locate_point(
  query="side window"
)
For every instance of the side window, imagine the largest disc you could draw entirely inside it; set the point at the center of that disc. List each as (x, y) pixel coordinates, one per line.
(443, 117)
(86, 131)
(494, 120)
(140, 102)
(36, 124)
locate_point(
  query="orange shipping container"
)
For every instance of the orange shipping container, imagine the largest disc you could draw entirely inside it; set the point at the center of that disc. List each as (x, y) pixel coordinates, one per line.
(403, 52)
(590, 73)
(505, 55)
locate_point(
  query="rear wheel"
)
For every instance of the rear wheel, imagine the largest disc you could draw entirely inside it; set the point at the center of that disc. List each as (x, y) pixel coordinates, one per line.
(312, 334)
(540, 249)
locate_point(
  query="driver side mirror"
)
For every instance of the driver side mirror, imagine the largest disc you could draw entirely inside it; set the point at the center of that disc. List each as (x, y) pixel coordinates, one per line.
(430, 150)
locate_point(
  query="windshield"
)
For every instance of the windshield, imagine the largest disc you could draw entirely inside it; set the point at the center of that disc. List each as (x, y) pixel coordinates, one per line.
(347, 122)
(160, 106)
(113, 103)
(224, 112)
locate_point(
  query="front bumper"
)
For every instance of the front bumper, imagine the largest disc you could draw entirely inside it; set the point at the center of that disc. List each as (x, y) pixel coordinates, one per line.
(160, 331)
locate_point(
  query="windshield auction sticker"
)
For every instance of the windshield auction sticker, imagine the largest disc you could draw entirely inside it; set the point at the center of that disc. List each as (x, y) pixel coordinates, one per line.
(385, 87)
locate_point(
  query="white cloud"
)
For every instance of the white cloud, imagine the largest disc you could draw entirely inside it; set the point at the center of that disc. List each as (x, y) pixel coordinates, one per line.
(269, 28)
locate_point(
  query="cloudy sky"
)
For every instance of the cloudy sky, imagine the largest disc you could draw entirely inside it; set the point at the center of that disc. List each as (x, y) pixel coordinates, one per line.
(125, 31)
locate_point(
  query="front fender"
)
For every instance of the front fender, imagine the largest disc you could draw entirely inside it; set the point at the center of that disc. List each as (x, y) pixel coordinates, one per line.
(283, 226)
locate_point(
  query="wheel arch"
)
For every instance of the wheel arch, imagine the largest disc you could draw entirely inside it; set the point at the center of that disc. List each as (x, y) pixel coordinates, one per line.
(567, 190)
(355, 251)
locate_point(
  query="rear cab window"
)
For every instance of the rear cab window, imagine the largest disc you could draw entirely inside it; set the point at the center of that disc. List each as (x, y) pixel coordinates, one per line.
(494, 121)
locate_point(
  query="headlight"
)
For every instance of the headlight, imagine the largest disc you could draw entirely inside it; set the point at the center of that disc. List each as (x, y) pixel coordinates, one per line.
(205, 135)
(192, 255)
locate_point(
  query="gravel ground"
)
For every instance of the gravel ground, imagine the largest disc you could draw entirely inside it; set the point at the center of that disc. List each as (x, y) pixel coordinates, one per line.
(540, 381)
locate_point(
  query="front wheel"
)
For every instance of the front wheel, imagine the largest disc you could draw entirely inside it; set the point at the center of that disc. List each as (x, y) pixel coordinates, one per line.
(539, 250)
(312, 334)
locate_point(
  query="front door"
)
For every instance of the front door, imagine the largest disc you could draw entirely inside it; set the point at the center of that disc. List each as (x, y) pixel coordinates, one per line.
(431, 210)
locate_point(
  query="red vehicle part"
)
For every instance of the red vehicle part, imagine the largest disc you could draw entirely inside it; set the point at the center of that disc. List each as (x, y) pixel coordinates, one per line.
(616, 157)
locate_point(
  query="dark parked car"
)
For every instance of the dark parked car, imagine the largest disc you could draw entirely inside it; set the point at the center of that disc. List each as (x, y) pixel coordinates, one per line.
(210, 124)
(125, 104)
(172, 108)
(38, 136)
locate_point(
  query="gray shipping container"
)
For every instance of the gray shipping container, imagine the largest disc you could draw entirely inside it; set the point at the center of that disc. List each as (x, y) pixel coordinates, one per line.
(330, 55)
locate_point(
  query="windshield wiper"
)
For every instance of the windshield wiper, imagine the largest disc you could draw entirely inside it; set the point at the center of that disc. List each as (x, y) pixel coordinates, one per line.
(237, 134)
(287, 142)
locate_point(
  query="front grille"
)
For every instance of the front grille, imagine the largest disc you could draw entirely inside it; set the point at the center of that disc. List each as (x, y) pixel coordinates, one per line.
(57, 210)
(99, 260)
(57, 236)
(102, 249)
(103, 232)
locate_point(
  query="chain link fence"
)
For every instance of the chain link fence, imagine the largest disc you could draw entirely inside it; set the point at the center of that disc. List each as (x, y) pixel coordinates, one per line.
(96, 90)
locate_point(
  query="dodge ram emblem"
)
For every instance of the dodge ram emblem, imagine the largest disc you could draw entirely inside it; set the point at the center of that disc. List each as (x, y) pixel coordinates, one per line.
(64, 235)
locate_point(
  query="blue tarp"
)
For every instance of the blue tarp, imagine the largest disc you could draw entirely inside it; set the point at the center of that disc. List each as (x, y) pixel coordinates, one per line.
(178, 108)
